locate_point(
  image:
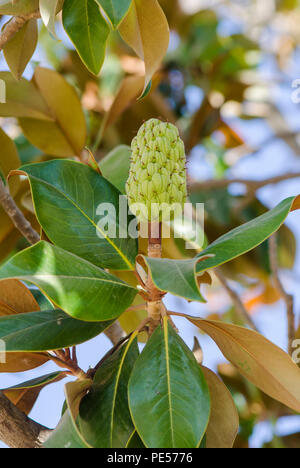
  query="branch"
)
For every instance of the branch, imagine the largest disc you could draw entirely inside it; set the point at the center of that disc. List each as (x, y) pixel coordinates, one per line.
(63, 358)
(252, 185)
(17, 216)
(236, 300)
(288, 299)
(17, 430)
(115, 333)
(14, 26)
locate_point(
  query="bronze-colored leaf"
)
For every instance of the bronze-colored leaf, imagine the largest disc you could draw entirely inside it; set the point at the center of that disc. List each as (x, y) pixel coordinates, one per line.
(19, 50)
(65, 136)
(223, 425)
(260, 361)
(145, 28)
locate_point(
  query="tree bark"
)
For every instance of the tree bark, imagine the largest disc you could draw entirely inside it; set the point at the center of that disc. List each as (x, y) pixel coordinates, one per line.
(17, 430)
(17, 216)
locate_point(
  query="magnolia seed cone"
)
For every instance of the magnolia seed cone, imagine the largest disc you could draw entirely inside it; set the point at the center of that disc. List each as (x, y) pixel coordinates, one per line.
(156, 187)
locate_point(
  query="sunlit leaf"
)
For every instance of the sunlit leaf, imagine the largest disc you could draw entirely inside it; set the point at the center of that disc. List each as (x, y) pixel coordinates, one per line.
(48, 10)
(146, 30)
(77, 197)
(180, 276)
(78, 287)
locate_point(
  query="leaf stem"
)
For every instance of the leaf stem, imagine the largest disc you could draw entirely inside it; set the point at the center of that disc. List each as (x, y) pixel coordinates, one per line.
(63, 359)
(288, 299)
(14, 26)
(155, 307)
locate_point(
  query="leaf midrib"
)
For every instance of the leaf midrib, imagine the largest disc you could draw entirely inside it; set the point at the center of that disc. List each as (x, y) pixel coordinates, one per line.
(166, 341)
(108, 239)
(120, 367)
(32, 327)
(89, 36)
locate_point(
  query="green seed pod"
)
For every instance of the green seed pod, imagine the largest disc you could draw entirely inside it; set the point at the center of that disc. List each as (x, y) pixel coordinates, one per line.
(157, 172)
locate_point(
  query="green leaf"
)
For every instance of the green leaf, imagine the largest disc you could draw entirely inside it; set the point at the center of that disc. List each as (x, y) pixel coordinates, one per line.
(24, 395)
(115, 166)
(180, 276)
(78, 287)
(115, 10)
(104, 416)
(65, 435)
(66, 196)
(176, 276)
(135, 441)
(88, 30)
(168, 396)
(246, 237)
(46, 331)
(19, 50)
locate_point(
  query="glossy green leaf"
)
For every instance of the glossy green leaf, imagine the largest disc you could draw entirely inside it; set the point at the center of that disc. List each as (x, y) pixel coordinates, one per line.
(180, 276)
(135, 441)
(104, 417)
(46, 331)
(168, 396)
(88, 30)
(115, 166)
(115, 10)
(176, 276)
(78, 287)
(246, 237)
(65, 435)
(66, 197)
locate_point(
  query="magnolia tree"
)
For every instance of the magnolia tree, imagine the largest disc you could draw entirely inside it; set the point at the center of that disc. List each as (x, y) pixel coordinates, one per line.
(94, 234)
